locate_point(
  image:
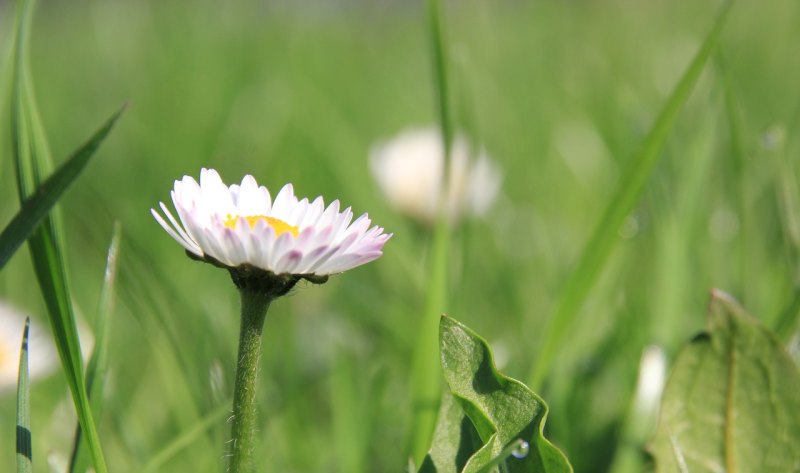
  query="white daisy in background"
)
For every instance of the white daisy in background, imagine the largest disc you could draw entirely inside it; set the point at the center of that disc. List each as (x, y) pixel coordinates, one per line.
(43, 358)
(409, 167)
(241, 228)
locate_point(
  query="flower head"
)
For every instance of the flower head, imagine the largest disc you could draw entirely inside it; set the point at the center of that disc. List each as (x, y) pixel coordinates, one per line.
(240, 227)
(43, 359)
(409, 168)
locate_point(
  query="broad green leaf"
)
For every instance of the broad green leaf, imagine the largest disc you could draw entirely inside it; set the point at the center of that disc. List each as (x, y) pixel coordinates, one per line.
(504, 414)
(49, 193)
(24, 445)
(98, 362)
(31, 159)
(605, 236)
(732, 402)
(454, 439)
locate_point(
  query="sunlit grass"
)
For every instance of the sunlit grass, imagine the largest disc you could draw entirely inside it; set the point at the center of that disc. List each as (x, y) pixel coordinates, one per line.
(560, 94)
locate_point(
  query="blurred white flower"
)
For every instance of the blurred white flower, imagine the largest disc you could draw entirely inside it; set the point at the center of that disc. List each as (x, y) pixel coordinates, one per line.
(42, 356)
(652, 376)
(240, 225)
(408, 169)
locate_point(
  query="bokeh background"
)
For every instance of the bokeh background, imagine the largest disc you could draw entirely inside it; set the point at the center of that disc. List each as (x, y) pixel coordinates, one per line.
(559, 93)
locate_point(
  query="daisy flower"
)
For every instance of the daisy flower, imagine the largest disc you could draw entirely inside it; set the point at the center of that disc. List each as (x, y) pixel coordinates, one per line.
(408, 169)
(241, 227)
(267, 246)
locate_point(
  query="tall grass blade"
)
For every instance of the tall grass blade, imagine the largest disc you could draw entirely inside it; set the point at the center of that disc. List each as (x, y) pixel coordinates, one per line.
(604, 238)
(24, 444)
(31, 159)
(426, 375)
(49, 193)
(98, 362)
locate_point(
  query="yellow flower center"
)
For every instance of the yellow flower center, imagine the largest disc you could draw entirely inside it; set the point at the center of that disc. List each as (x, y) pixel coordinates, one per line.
(279, 225)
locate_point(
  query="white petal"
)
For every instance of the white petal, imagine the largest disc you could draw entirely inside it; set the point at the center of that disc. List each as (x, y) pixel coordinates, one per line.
(284, 203)
(250, 201)
(327, 241)
(177, 227)
(178, 238)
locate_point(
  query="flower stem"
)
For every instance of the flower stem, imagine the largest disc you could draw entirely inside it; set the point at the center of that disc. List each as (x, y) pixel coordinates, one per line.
(254, 311)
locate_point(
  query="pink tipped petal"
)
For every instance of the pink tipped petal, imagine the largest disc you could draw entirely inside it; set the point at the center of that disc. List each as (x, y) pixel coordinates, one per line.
(290, 261)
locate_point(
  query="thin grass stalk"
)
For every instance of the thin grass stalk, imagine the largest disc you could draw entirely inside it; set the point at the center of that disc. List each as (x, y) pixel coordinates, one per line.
(189, 436)
(426, 374)
(98, 362)
(24, 441)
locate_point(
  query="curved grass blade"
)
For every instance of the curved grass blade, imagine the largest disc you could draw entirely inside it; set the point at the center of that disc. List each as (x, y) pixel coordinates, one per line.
(604, 238)
(98, 362)
(31, 158)
(24, 444)
(49, 193)
(186, 439)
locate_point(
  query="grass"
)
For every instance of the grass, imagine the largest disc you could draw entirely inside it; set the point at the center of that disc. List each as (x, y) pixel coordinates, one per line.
(560, 94)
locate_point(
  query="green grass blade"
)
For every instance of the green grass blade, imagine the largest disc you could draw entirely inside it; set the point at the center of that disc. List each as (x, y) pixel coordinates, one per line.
(24, 446)
(426, 375)
(31, 159)
(597, 251)
(441, 87)
(49, 193)
(98, 363)
(186, 438)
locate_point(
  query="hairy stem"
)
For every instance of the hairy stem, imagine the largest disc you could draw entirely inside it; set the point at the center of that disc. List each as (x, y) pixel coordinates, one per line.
(254, 311)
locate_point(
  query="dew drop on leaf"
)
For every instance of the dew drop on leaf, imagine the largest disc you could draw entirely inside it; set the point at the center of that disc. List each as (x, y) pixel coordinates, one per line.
(522, 449)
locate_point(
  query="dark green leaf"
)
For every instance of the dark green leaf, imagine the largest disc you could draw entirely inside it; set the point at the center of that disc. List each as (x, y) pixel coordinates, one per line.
(732, 402)
(24, 445)
(503, 414)
(454, 440)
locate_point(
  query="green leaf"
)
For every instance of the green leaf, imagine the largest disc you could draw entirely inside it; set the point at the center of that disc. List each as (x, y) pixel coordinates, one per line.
(49, 193)
(732, 402)
(98, 362)
(605, 236)
(488, 416)
(24, 445)
(454, 439)
(31, 159)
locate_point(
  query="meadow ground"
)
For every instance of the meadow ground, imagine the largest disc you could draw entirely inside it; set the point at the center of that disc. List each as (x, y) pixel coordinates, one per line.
(560, 95)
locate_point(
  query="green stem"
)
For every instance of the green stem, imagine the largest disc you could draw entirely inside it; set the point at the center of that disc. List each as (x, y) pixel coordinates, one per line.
(254, 311)
(426, 373)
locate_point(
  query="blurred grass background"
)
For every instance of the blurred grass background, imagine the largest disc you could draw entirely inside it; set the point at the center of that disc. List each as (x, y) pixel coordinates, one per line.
(559, 93)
